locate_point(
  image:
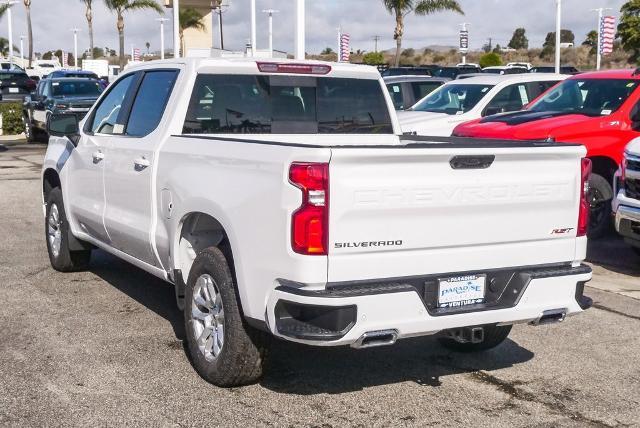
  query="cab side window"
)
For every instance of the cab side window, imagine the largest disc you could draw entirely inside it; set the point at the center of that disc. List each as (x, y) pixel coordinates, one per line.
(105, 116)
(395, 90)
(511, 98)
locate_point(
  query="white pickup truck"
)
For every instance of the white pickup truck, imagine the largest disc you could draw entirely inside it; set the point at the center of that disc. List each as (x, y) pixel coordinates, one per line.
(626, 204)
(281, 198)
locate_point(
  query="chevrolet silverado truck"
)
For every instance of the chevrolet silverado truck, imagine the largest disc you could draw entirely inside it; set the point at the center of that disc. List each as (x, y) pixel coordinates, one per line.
(600, 110)
(281, 199)
(626, 205)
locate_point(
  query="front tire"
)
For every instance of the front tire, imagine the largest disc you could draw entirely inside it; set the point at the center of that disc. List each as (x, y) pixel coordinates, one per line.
(599, 197)
(28, 128)
(493, 336)
(224, 350)
(57, 235)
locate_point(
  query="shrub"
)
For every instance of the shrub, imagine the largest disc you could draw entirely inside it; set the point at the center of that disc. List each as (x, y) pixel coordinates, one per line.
(11, 118)
(373, 58)
(490, 60)
(408, 52)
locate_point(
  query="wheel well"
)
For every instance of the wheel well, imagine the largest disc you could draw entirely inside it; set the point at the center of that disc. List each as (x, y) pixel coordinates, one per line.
(200, 231)
(605, 167)
(50, 181)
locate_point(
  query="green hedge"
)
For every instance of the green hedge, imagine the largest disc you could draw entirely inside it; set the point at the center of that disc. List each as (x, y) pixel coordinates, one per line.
(12, 123)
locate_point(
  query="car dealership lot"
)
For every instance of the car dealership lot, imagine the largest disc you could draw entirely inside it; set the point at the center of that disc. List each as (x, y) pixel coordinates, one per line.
(104, 347)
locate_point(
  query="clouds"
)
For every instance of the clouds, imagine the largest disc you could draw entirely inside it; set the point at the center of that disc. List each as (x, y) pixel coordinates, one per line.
(53, 19)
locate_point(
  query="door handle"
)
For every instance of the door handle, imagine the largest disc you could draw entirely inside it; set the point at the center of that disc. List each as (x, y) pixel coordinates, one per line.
(141, 163)
(97, 156)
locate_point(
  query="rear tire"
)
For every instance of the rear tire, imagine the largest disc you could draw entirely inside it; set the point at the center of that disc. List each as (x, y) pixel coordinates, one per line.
(599, 197)
(56, 228)
(224, 350)
(493, 336)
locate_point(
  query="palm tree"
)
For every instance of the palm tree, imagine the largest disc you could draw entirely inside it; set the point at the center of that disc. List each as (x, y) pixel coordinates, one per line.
(27, 6)
(3, 9)
(122, 6)
(148, 45)
(402, 8)
(4, 45)
(189, 18)
(89, 14)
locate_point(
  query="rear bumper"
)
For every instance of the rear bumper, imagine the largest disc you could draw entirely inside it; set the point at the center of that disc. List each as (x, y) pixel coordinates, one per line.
(628, 224)
(342, 316)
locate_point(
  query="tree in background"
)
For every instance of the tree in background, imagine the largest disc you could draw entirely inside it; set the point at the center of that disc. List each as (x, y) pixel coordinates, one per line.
(373, 58)
(88, 13)
(629, 29)
(4, 47)
(490, 60)
(327, 51)
(591, 40)
(402, 8)
(519, 39)
(120, 7)
(27, 7)
(549, 45)
(3, 9)
(147, 45)
(189, 18)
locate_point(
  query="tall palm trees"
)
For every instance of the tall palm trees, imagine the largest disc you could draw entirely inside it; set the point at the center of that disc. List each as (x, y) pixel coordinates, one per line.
(189, 18)
(88, 13)
(122, 6)
(402, 8)
(27, 7)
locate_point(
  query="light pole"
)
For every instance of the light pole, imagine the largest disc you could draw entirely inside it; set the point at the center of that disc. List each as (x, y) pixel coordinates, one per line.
(21, 51)
(162, 21)
(464, 49)
(75, 46)
(176, 28)
(300, 30)
(253, 28)
(10, 24)
(558, 31)
(600, 11)
(270, 12)
(220, 11)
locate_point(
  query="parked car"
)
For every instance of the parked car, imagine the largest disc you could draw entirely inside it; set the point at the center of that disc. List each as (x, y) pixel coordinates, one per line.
(460, 101)
(453, 72)
(504, 70)
(598, 109)
(81, 74)
(407, 71)
(626, 205)
(60, 95)
(42, 67)
(405, 91)
(15, 85)
(526, 65)
(565, 69)
(7, 65)
(197, 171)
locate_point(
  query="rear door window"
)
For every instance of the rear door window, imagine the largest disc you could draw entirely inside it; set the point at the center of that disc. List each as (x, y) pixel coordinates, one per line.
(535, 89)
(282, 104)
(150, 102)
(422, 89)
(511, 98)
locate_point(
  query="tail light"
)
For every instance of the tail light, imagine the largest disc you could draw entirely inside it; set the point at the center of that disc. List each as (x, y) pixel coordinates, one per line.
(585, 208)
(31, 85)
(309, 223)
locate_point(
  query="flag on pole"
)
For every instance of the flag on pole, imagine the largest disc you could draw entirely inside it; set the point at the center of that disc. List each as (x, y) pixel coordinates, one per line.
(65, 60)
(607, 34)
(136, 54)
(345, 49)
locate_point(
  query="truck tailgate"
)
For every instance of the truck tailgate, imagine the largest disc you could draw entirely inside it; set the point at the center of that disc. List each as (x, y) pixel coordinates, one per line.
(403, 211)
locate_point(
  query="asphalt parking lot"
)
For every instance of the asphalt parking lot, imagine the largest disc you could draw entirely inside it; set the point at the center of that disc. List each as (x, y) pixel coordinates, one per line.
(104, 348)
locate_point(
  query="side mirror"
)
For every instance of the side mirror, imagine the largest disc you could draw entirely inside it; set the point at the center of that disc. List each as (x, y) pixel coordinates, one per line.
(64, 125)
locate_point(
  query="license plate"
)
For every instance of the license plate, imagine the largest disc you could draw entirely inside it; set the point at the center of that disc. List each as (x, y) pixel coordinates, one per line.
(461, 291)
(14, 90)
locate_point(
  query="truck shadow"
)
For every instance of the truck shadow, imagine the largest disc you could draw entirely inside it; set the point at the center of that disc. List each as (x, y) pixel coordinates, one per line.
(305, 370)
(151, 292)
(612, 253)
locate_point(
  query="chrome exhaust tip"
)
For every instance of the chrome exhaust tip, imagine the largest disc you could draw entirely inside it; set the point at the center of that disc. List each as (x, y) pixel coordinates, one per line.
(552, 316)
(372, 339)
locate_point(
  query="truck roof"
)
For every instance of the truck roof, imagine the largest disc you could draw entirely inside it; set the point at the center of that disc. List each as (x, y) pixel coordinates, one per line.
(249, 66)
(609, 74)
(496, 79)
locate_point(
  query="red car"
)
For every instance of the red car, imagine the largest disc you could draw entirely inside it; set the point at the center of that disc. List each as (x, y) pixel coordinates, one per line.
(600, 110)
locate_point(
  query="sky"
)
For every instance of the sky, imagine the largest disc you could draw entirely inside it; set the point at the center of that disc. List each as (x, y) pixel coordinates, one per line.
(362, 19)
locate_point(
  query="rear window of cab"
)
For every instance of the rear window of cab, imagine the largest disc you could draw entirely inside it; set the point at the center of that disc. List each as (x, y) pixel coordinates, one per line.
(279, 104)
